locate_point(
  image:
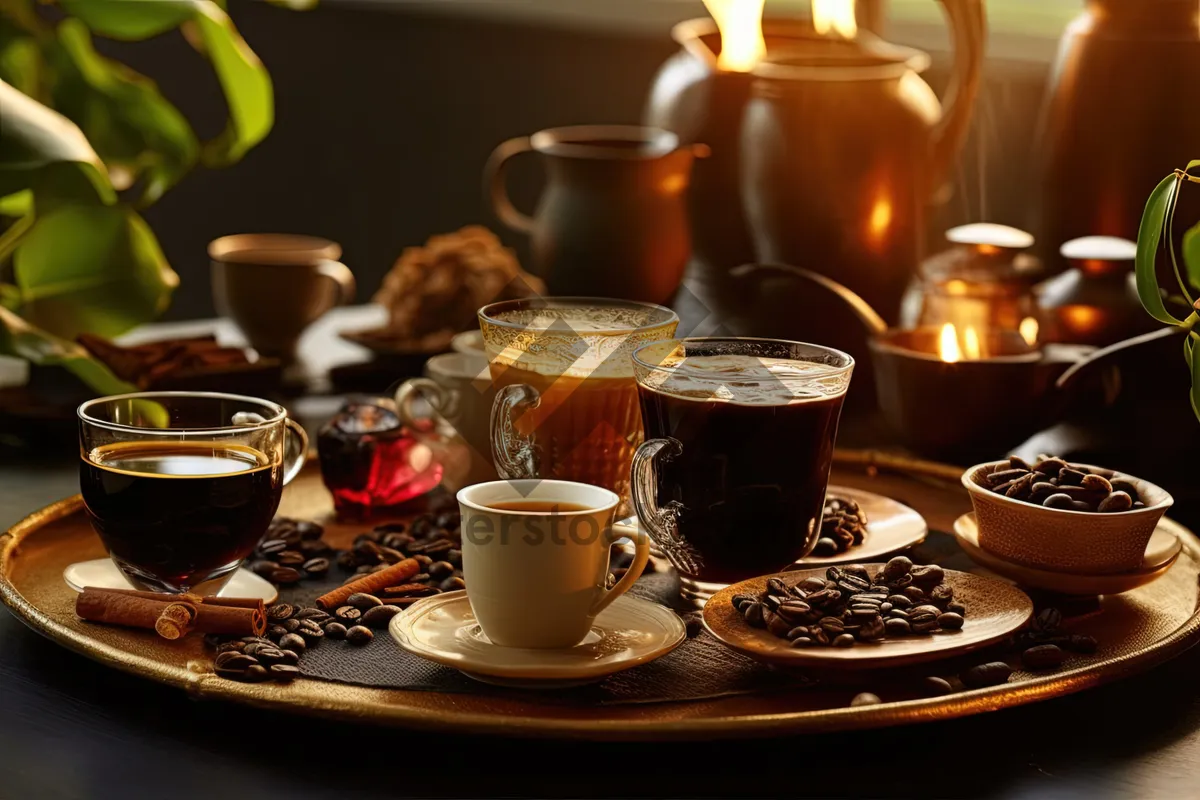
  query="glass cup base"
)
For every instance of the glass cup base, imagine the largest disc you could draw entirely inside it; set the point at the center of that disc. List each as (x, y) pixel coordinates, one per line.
(103, 573)
(697, 592)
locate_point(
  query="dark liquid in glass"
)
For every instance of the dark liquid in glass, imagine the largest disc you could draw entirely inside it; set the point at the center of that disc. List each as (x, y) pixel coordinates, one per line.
(176, 514)
(750, 480)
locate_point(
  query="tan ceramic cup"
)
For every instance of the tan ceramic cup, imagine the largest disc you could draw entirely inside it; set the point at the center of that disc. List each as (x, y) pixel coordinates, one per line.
(538, 579)
(275, 285)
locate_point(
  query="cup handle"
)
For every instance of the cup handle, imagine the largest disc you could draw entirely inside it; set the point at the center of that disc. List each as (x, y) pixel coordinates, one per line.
(495, 174)
(641, 555)
(443, 400)
(514, 455)
(341, 275)
(660, 522)
(295, 450)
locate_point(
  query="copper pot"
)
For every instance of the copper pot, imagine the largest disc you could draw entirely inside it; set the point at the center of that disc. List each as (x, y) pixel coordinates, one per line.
(843, 146)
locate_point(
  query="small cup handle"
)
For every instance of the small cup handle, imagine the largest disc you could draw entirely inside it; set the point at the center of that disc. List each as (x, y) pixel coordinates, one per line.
(660, 521)
(640, 557)
(295, 450)
(514, 455)
(341, 275)
(443, 400)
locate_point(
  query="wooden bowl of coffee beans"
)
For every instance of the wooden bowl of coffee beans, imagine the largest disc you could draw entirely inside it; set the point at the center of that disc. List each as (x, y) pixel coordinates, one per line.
(1064, 517)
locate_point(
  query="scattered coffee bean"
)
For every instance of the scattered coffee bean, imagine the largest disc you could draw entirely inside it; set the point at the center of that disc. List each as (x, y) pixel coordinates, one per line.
(280, 611)
(936, 687)
(348, 614)
(284, 673)
(693, 624)
(358, 635)
(285, 576)
(1117, 501)
(865, 699)
(1043, 656)
(992, 673)
(316, 566)
(950, 621)
(379, 616)
(1079, 643)
(294, 642)
(335, 630)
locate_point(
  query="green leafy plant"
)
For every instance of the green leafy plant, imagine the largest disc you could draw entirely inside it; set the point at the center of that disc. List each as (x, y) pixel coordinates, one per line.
(1155, 234)
(85, 144)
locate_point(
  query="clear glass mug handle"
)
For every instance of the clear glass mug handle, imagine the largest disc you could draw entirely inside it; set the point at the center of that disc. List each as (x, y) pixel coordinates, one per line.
(295, 442)
(514, 454)
(295, 450)
(661, 522)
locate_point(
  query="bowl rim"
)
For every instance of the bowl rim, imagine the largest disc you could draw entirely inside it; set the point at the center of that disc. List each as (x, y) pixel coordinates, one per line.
(1161, 506)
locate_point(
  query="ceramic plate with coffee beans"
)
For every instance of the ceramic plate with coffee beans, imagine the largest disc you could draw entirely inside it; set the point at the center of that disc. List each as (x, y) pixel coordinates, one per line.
(863, 526)
(862, 616)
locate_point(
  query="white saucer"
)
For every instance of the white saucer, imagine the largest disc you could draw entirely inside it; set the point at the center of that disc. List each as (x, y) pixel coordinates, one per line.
(1164, 547)
(103, 573)
(629, 632)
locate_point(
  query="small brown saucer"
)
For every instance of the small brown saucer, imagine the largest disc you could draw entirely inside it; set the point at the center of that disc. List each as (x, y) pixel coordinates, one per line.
(1164, 547)
(995, 609)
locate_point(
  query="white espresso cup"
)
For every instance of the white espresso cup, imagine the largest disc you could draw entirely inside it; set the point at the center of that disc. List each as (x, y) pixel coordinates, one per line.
(538, 578)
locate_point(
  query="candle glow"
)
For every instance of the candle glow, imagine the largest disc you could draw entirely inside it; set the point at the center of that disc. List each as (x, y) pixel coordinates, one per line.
(740, 24)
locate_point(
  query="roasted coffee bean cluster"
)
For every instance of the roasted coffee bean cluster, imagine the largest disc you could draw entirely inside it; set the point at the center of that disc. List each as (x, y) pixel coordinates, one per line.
(292, 630)
(1053, 483)
(850, 605)
(293, 550)
(844, 525)
(432, 539)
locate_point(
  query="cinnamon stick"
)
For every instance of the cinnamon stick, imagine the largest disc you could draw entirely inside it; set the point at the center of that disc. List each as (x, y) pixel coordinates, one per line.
(135, 609)
(370, 584)
(175, 621)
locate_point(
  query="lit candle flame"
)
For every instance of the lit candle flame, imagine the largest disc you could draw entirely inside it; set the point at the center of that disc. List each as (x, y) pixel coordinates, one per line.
(1029, 329)
(948, 349)
(835, 16)
(740, 24)
(971, 347)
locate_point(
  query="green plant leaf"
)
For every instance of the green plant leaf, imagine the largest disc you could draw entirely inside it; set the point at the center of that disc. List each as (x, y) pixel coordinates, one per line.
(1191, 254)
(34, 141)
(131, 19)
(10, 296)
(295, 5)
(130, 124)
(95, 269)
(19, 338)
(20, 59)
(1150, 234)
(17, 204)
(1194, 364)
(246, 83)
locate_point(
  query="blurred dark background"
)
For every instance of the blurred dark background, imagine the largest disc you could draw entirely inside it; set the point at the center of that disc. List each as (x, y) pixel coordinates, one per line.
(387, 111)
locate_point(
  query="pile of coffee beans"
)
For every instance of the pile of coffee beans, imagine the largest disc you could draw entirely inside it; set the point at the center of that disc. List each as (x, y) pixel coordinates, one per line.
(844, 525)
(850, 605)
(293, 550)
(1053, 483)
(291, 631)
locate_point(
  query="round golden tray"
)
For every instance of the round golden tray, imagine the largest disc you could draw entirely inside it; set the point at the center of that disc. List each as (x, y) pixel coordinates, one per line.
(1136, 631)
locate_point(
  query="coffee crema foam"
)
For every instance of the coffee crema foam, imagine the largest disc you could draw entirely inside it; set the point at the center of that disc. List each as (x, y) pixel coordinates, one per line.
(745, 380)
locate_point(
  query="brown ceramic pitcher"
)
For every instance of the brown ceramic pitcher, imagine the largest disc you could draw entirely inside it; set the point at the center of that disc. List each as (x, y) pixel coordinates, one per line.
(612, 220)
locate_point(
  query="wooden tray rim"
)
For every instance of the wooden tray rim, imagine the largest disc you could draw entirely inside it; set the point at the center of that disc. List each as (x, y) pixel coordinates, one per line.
(392, 706)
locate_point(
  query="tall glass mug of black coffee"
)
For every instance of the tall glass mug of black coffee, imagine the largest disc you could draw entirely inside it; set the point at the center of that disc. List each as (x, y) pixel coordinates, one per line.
(739, 436)
(181, 486)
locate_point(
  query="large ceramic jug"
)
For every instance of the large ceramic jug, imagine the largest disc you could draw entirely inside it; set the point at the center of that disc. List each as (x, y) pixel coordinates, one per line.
(843, 148)
(612, 220)
(1117, 117)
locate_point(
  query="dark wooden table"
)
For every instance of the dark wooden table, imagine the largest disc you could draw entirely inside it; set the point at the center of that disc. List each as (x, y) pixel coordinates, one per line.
(73, 728)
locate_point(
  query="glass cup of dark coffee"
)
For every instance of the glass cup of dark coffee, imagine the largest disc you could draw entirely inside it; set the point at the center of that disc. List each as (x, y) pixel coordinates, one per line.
(181, 486)
(739, 436)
